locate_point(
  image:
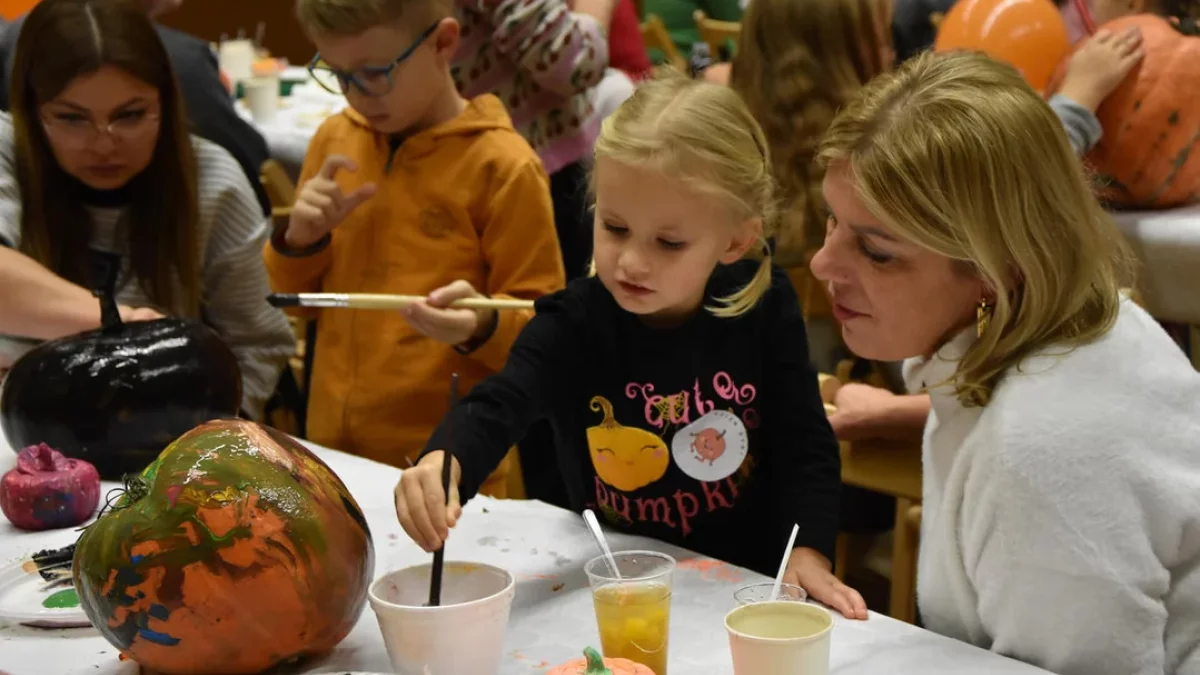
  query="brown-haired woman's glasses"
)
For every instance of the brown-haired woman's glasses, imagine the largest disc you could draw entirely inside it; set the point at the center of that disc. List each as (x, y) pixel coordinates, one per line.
(79, 130)
(370, 80)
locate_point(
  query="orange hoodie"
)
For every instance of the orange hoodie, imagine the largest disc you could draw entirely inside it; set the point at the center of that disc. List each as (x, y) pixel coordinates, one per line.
(467, 199)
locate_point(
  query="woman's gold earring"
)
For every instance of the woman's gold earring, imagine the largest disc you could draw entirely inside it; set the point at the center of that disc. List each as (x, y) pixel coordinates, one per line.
(983, 316)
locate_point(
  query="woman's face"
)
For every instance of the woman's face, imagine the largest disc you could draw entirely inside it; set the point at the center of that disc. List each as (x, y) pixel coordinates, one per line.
(103, 127)
(893, 298)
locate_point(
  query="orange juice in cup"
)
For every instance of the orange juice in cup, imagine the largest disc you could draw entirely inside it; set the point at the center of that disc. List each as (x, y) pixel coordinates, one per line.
(633, 612)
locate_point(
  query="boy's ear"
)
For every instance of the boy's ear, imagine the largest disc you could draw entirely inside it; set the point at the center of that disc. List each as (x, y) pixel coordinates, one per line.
(748, 234)
(445, 37)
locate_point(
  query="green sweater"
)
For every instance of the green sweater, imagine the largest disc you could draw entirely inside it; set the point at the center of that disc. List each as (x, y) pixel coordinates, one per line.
(677, 15)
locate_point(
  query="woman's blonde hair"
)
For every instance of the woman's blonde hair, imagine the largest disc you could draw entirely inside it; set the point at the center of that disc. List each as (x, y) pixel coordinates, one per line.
(798, 62)
(703, 135)
(958, 154)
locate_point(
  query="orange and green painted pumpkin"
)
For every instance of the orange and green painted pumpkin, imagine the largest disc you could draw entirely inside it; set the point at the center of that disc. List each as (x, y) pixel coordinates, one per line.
(592, 664)
(1149, 155)
(236, 549)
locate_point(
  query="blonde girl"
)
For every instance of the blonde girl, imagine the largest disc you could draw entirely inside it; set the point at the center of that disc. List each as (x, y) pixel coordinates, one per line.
(798, 62)
(676, 378)
(1061, 517)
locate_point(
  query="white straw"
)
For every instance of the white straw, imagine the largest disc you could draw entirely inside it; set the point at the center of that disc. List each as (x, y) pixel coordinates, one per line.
(787, 554)
(590, 518)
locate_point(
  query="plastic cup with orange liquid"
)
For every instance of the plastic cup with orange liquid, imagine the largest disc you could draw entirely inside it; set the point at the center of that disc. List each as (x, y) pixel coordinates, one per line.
(633, 612)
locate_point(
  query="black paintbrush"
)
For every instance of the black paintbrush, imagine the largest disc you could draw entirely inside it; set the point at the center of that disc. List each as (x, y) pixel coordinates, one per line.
(439, 556)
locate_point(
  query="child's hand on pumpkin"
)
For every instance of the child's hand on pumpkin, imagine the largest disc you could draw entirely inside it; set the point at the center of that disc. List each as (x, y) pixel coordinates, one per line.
(1100, 65)
(130, 314)
(434, 317)
(421, 503)
(811, 571)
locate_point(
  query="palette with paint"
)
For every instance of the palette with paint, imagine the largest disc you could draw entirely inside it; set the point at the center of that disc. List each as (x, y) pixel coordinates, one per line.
(27, 598)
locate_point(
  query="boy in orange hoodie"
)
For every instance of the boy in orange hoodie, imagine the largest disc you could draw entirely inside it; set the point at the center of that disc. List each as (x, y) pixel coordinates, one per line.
(412, 190)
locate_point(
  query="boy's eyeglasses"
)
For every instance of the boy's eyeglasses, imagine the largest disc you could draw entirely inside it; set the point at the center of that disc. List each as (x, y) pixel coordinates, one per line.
(369, 80)
(79, 130)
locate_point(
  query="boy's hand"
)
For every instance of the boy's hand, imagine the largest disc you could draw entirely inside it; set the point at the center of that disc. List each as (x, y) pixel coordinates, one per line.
(434, 318)
(421, 504)
(321, 204)
(810, 570)
(1100, 65)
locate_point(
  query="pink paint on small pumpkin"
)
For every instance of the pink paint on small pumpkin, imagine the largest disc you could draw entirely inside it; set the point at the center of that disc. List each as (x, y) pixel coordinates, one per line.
(47, 490)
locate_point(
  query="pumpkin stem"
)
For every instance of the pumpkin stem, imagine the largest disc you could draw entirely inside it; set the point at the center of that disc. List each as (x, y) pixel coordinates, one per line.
(595, 663)
(104, 275)
(600, 403)
(43, 455)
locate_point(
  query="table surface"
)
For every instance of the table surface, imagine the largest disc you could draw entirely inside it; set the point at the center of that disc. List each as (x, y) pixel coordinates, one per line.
(552, 618)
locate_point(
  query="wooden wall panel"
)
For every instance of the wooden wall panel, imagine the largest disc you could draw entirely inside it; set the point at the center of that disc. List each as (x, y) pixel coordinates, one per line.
(208, 19)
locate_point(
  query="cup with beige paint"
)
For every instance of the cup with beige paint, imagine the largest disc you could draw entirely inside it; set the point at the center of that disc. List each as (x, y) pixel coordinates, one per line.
(781, 637)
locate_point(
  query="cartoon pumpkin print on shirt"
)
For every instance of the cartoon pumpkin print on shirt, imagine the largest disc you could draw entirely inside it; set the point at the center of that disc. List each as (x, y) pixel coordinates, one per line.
(711, 448)
(626, 458)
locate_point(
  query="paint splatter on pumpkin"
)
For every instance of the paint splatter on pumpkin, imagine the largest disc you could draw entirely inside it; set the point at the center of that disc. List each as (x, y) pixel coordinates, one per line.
(237, 549)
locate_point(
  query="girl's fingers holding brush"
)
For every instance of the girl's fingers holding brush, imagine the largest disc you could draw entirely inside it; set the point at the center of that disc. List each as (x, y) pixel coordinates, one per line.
(412, 501)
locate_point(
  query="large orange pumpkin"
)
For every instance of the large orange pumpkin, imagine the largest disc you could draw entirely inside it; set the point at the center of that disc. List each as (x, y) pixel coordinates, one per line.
(1149, 155)
(592, 664)
(237, 549)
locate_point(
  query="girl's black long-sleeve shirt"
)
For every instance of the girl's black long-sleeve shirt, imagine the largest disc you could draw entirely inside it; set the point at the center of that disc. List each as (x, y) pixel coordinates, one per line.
(710, 435)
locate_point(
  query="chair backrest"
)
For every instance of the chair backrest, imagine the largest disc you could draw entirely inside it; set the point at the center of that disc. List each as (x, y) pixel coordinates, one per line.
(279, 186)
(656, 36)
(716, 33)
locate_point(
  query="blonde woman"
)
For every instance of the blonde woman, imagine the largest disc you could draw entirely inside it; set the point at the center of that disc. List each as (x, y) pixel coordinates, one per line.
(1062, 455)
(676, 378)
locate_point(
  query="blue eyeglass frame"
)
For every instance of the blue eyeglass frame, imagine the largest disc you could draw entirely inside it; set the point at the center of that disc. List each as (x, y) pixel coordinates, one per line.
(345, 79)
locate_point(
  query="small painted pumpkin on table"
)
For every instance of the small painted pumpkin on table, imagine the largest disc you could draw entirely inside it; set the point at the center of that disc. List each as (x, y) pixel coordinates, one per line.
(593, 664)
(47, 491)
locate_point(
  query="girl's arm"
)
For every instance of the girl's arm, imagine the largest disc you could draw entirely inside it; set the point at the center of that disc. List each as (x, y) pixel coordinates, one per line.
(801, 448)
(495, 415)
(235, 281)
(563, 51)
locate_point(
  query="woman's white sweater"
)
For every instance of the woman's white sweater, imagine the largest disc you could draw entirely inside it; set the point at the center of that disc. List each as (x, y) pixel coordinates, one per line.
(1061, 523)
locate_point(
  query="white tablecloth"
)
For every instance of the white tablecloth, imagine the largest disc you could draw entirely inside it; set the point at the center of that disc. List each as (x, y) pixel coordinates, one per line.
(544, 547)
(1168, 245)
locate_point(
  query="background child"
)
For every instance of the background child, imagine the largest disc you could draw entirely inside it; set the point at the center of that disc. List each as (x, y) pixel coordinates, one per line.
(798, 62)
(542, 58)
(415, 191)
(676, 379)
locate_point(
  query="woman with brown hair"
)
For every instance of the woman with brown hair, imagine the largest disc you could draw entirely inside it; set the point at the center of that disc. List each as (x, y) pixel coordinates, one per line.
(98, 172)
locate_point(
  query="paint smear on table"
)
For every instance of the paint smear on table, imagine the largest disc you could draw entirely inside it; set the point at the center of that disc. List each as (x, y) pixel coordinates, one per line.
(711, 570)
(518, 656)
(64, 599)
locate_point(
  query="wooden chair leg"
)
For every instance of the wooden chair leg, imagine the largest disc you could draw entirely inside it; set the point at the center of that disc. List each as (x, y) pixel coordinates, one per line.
(904, 561)
(841, 557)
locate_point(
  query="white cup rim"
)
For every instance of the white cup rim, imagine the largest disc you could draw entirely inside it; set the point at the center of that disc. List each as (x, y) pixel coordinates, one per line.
(824, 613)
(607, 580)
(377, 601)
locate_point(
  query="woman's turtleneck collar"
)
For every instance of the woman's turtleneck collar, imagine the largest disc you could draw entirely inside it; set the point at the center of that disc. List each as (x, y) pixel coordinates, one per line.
(104, 199)
(934, 374)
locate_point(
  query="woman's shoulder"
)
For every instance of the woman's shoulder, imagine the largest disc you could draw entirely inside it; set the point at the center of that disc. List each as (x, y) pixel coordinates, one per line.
(1126, 394)
(229, 209)
(216, 168)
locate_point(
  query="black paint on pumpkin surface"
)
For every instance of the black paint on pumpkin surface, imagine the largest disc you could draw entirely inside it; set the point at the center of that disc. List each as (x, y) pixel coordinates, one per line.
(118, 395)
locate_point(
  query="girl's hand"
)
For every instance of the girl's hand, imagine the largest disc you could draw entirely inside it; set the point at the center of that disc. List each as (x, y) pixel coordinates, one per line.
(1100, 65)
(434, 318)
(421, 504)
(811, 571)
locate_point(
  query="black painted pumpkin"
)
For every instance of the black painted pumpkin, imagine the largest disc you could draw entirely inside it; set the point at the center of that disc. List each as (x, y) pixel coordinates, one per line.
(118, 395)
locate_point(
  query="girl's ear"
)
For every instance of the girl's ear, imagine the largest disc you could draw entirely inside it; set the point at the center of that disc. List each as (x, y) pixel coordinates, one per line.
(747, 235)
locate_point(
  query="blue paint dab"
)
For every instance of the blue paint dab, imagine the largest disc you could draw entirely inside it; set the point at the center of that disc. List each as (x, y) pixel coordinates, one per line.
(136, 559)
(157, 637)
(158, 612)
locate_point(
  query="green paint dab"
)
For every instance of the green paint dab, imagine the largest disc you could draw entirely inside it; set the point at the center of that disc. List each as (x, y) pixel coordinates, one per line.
(64, 599)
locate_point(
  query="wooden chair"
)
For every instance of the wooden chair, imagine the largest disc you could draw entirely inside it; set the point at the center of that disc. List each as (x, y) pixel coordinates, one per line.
(716, 33)
(280, 188)
(655, 36)
(891, 468)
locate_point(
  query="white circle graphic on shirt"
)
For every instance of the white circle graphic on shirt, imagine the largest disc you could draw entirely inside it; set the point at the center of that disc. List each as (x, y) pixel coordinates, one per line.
(711, 448)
